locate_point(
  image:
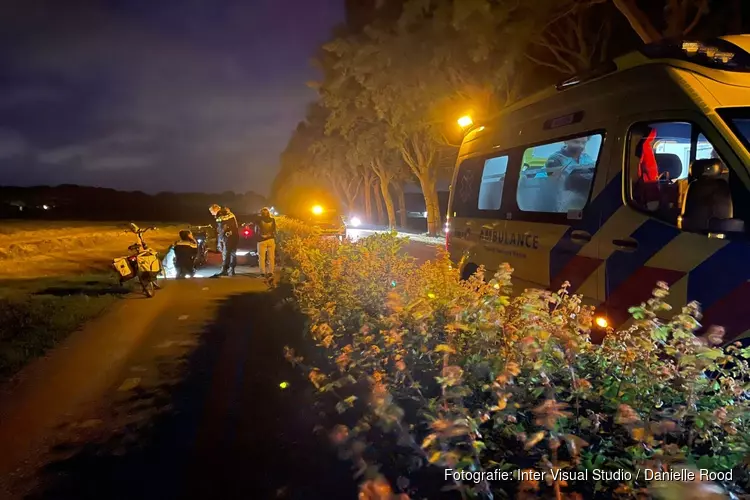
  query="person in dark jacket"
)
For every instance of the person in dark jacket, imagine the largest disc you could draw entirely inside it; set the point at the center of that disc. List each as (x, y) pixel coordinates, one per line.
(228, 234)
(266, 231)
(185, 250)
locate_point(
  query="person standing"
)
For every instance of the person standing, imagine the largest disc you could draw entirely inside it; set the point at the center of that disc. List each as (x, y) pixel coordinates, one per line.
(266, 229)
(228, 234)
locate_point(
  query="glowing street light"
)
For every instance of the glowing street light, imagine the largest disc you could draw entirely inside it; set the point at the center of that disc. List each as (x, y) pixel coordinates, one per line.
(465, 122)
(317, 210)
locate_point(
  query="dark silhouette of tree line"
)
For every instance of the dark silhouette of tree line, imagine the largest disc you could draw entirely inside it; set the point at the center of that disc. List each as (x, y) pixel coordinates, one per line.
(71, 202)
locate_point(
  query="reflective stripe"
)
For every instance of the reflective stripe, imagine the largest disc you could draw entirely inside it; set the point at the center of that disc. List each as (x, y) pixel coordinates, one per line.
(651, 236)
(595, 215)
(720, 274)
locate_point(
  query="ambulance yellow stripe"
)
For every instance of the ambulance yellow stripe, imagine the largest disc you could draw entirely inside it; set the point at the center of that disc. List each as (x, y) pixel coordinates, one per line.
(686, 252)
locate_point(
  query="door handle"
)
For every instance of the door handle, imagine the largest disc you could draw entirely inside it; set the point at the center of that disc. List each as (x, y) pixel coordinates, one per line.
(580, 237)
(627, 244)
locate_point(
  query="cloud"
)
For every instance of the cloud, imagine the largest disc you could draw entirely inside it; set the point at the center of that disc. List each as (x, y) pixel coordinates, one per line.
(12, 144)
(62, 155)
(120, 150)
(207, 92)
(15, 97)
(119, 163)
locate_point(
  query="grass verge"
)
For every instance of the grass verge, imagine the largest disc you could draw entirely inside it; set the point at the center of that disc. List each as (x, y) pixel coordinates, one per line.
(37, 314)
(54, 277)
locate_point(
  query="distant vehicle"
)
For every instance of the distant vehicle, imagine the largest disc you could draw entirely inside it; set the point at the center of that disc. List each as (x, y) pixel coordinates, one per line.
(142, 263)
(328, 222)
(353, 221)
(612, 181)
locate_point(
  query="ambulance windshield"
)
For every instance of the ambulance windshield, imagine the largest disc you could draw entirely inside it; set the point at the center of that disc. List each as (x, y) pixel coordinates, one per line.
(738, 120)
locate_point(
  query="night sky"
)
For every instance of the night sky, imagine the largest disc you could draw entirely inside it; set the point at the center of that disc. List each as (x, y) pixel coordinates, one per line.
(154, 95)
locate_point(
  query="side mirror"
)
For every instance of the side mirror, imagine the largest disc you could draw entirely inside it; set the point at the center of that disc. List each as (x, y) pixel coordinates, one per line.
(726, 226)
(152, 228)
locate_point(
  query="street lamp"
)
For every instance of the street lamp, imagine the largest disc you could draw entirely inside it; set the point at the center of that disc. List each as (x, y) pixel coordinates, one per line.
(465, 122)
(317, 210)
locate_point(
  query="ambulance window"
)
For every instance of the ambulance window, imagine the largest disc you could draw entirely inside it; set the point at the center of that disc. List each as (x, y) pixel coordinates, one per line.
(738, 120)
(742, 125)
(704, 149)
(493, 181)
(557, 177)
(660, 158)
(466, 188)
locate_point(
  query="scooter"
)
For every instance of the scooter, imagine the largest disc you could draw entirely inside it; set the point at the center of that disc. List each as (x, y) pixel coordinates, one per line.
(200, 233)
(142, 263)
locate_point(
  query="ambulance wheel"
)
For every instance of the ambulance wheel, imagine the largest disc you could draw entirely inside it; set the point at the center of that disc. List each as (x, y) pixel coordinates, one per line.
(468, 271)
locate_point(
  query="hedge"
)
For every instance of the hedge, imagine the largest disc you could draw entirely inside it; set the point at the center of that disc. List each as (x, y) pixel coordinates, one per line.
(464, 386)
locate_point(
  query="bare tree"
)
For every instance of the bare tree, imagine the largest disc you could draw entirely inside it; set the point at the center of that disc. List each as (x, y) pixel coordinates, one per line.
(681, 17)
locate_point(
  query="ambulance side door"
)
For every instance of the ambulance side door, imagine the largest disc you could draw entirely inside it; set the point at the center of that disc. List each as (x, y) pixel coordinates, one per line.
(643, 244)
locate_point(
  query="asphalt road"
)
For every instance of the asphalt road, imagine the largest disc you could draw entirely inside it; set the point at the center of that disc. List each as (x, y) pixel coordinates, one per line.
(177, 396)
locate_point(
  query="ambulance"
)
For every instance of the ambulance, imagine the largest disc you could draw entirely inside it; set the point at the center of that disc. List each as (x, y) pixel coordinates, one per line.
(641, 174)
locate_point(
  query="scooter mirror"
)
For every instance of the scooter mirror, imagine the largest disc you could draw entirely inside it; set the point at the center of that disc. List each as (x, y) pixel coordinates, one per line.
(133, 227)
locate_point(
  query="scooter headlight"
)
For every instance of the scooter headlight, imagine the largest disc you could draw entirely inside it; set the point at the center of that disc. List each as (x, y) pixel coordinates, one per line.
(200, 240)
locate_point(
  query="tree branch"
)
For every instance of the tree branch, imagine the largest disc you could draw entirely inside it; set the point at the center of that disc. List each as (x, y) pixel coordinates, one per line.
(555, 49)
(638, 21)
(702, 8)
(603, 39)
(560, 69)
(584, 52)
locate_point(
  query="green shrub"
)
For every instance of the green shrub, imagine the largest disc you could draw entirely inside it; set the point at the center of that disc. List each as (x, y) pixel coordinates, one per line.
(439, 372)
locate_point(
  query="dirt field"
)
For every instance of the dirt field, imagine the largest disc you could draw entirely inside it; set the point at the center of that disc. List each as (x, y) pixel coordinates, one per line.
(39, 249)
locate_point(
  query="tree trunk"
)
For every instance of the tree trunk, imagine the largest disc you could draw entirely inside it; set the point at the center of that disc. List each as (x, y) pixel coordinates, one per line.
(339, 192)
(638, 20)
(401, 205)
(432, 206)
(379, 203)
(351, 204)
(368, 201)
(391, 212)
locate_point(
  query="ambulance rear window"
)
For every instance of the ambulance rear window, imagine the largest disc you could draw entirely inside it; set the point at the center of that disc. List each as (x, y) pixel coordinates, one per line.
(715, 54)
(478, 191)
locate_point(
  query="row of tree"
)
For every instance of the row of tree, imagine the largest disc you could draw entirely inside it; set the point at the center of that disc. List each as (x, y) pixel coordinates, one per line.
(71, 202)
(391, 92)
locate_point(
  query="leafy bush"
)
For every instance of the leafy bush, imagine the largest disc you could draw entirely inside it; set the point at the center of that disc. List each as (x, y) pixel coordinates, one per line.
(428, 372)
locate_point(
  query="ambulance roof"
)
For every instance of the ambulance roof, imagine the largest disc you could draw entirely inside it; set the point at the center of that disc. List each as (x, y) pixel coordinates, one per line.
(725, 59)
